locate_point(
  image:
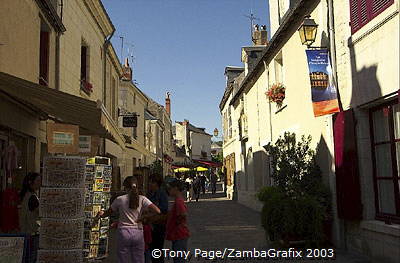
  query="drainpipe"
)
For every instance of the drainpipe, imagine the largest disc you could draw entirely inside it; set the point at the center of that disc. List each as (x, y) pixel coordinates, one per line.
(107, 42)
(332, 46)
(57, 66)
(341, 225)
(61, 9)
(57, 55)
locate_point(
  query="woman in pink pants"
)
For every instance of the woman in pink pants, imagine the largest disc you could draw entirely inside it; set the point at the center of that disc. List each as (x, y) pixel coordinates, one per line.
(130, 232)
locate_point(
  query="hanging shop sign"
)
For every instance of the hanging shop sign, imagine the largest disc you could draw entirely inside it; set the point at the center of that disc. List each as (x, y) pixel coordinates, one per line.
(62, 138)
(323, 89)
(129, 121)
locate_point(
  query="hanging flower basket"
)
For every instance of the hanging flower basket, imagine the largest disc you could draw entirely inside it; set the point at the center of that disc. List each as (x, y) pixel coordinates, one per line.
(276, 94)
(86, 86)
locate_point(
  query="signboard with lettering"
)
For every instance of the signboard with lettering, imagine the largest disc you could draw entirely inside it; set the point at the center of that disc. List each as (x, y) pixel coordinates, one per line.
(129, 121)
(85, 144)
(62, 138)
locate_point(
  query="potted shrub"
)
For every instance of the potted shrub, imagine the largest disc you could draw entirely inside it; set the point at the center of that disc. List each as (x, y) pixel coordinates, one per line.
(297, 206)
(276, 94)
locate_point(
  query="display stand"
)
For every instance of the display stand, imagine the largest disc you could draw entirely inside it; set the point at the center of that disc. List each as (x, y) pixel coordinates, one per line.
(74, 190)
(61, 210)
(98, 179)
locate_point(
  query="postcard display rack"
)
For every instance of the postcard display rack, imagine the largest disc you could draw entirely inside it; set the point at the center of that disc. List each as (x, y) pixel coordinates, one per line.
(97, 183)
(73, 190)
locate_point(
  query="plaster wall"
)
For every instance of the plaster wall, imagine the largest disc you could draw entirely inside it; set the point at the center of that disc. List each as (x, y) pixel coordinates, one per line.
(200, 142)
(20, 23)
(368, 66)
(81, 29)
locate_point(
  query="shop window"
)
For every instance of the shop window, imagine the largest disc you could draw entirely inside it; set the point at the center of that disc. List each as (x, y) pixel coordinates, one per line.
(363, 11)
(385, 128)
(44, 54)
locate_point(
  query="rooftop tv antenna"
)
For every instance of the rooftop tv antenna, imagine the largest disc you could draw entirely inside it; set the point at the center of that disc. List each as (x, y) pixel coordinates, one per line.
(122, 46)
(131, 52)
(252, 18)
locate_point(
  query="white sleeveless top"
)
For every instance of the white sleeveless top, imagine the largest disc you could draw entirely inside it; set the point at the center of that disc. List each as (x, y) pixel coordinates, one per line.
(129, 216)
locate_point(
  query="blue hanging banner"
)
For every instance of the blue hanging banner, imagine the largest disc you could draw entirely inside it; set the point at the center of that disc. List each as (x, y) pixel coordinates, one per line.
(323, 90)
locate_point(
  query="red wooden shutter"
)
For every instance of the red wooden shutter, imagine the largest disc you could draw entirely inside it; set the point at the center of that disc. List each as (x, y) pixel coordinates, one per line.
(378, 6)
(83, 62)
(363, 11)
(44, 58)
(346, 163)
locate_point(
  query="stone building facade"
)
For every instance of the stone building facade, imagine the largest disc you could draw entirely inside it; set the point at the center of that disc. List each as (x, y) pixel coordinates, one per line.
(356, 149)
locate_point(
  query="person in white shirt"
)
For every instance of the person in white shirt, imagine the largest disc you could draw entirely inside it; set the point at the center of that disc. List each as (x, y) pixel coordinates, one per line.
(189, 193)
(130, 207)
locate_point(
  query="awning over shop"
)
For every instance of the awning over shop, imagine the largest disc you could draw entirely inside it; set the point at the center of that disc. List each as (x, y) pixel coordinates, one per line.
(201, 169)
(62, 107)
(208, 163)
(181, 170)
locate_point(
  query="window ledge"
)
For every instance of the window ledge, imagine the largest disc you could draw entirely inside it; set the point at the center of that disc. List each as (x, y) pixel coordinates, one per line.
(381, 227)
(84, 94)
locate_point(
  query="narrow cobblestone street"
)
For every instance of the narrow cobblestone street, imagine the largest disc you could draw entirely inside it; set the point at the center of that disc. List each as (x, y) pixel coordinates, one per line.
(217, 223)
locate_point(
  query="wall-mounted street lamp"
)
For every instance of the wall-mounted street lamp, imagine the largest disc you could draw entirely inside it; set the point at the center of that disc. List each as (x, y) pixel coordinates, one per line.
(308, 31)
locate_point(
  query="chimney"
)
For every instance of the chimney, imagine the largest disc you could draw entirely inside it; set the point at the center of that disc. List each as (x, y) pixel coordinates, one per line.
(260, 36)
(185, 122)
(127, 71)
(168, 104)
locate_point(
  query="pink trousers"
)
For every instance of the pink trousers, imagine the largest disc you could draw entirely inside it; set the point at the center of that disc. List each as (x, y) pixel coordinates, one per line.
(130, 245)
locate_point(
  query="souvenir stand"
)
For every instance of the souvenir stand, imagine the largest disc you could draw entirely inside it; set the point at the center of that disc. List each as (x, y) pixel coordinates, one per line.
(74, 190)
(61, 209)
(98, 178)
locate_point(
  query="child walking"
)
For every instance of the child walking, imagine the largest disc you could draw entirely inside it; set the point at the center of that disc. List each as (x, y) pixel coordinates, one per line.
(177, 230)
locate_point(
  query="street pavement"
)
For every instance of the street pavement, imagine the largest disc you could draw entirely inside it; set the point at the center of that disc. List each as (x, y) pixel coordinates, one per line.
(217, 223)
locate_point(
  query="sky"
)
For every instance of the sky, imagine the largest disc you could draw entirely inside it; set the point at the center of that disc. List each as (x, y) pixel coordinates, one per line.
(183, 47)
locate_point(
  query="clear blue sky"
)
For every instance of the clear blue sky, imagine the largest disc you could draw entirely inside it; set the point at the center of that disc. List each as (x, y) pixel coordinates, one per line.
(183, 46)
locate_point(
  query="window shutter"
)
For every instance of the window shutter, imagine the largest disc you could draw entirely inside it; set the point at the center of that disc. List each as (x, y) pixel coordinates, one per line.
(363, 11)
(44, 58)
(358, 14)
(83, 63)
(348, 189)
(377, 6)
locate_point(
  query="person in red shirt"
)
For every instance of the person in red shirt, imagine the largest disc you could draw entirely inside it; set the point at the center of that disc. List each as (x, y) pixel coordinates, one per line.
(177, 230)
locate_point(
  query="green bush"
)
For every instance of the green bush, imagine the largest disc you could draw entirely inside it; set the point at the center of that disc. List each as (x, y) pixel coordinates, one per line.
(298, 204)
